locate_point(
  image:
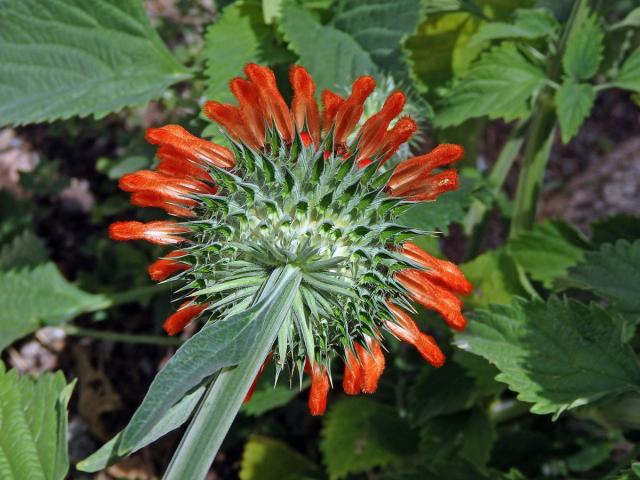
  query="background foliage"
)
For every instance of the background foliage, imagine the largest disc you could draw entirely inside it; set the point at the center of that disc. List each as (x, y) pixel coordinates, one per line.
(545, 382)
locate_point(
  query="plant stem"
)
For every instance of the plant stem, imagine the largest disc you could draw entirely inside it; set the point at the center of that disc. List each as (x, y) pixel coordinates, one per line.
(541, 134)
(478, 211)
(223, 399)
(137, 294)
(121, 337)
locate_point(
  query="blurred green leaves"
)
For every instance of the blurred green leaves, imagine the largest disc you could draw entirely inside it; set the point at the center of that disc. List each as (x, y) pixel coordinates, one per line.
(360, 434)
(74, 57)
(32, 298)
(33, 421)
(269, 459)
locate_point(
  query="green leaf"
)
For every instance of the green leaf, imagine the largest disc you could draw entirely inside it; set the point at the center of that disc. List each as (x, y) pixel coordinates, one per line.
(440, 391)
(613, 273)
(360, 434)
(239, 37)
(33, 422)
(268, 459)
(25, 250)
(73, 57)
(219, 344)
(270, 397)
(440, 49)
(548, 250)
(379, 26)
(574, 102)
(630, 21)
(556, 355)
(589, 457)
(499, 85)
(583, 53)
(628, 77)
(496, 278)
(450, 207)
(339, 60)
(177, 415)
(481, 371)
(528, 24)
(617, 227)
(31, 299)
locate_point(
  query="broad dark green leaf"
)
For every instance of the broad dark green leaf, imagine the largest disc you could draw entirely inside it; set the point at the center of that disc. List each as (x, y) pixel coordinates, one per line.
(269, 459)
(339, 60)
(613, 273)
(628, 77)
(618, 227)
(219, 344)
(379, 26)
(574, 102)
(481, 371)
(33, 422)
(583, 53)
(469, 435)
(499, 85)
(556, 355)
(527, 24)
(177, 415)
(548, 250)
(32, 298)
(60, 58)
(440, 391)
(360, 434)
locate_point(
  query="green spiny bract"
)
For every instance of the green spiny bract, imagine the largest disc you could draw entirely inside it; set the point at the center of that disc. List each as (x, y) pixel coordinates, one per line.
(327, 216)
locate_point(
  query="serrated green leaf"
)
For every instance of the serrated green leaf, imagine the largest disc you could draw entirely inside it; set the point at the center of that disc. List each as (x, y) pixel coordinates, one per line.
(25, 250)
(440, 391)
(60, 58)
(239, 37)
(469, 435)
(617, 227)
(360, 434)
(496, 278)
(557, 355)
(378, 26)
(499, 85)
(574, 102)
(481, 371)
(528, 24)
(340, 60)
(613, 273)
(219, 344)
(33, 422)
(548, 250)
(34, 298)
(177, 415)
(628, 77)
(583, 53)
(269, 459)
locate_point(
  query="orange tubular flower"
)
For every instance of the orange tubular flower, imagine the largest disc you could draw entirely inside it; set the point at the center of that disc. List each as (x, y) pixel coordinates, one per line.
(185, 314)
(319, 390)
(165, 267)
(299, 185)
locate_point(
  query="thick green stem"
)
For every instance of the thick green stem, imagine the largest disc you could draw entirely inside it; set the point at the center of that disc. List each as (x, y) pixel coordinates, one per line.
(540, 135)
(223, 399)
(536, 156)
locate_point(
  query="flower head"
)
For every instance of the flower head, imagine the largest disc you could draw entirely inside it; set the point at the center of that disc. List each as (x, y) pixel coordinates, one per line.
(302, 185)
